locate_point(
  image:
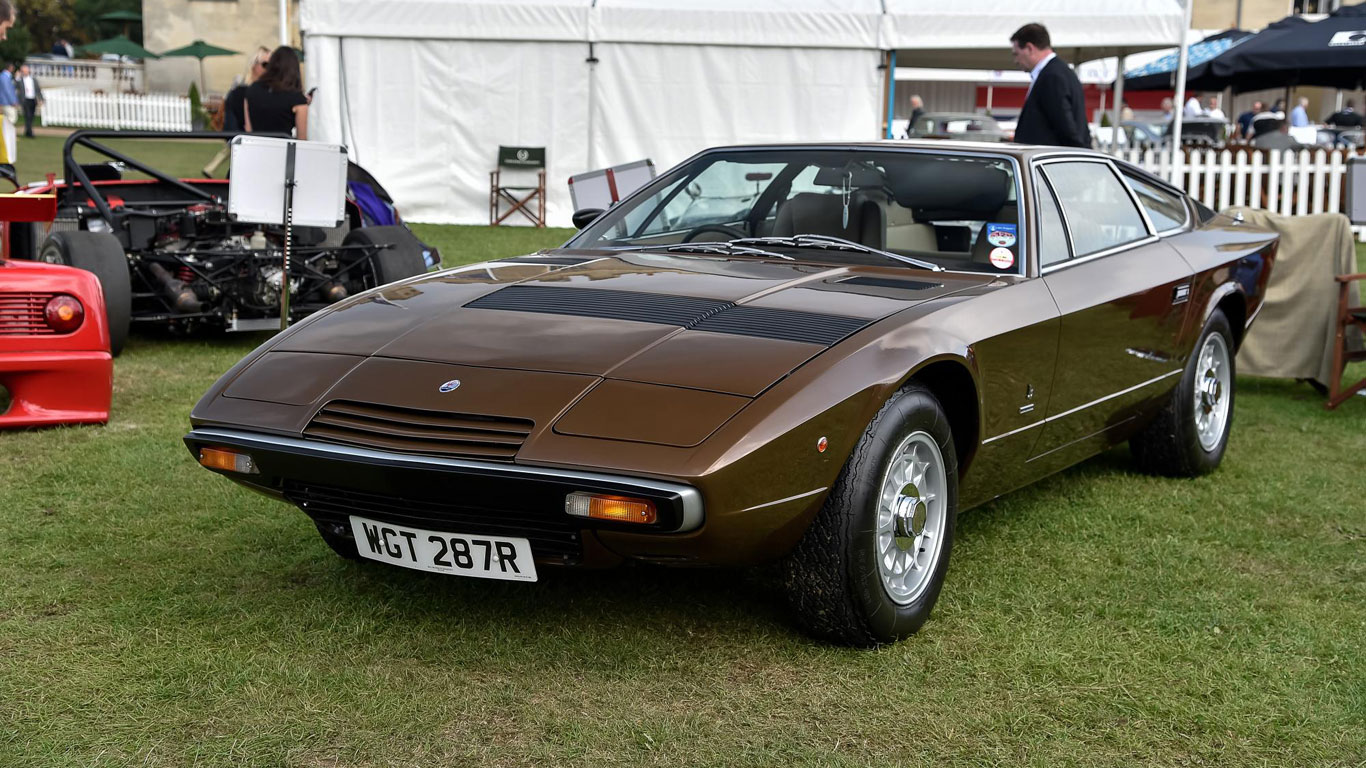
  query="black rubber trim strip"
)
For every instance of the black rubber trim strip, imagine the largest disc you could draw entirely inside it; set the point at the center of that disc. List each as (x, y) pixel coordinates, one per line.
(784, 324)
(689, 312)
(557, 260)
(658, 308)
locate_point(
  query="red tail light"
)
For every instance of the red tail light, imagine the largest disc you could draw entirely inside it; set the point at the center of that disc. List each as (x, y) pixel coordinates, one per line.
(64, 314)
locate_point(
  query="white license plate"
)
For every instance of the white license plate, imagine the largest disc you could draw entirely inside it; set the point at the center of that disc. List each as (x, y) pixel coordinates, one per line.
(483, 557)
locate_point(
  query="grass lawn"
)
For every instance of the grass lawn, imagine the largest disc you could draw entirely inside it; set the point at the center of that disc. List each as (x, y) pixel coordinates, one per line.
(152, 613)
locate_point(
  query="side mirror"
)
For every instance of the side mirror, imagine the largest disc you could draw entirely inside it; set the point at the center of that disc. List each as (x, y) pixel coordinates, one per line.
(585, 216)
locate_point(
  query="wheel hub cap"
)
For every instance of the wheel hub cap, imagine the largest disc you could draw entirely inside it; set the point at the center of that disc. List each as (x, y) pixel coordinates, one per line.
(911, 517)
(1211, 401)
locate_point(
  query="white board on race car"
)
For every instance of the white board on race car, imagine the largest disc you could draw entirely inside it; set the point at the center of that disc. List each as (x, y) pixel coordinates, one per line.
(256, 186)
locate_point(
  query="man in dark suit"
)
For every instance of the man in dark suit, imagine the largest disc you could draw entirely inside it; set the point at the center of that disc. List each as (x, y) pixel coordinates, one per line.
(1054, 111)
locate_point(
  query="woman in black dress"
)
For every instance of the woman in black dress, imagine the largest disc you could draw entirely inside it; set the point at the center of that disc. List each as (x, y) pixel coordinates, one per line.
(276, 103)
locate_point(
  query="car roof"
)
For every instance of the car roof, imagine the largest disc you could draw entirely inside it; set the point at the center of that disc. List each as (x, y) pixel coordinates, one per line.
(1023, 152)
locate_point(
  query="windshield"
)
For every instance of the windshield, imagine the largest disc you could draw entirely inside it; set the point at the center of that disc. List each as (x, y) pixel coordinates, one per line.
(955, 211)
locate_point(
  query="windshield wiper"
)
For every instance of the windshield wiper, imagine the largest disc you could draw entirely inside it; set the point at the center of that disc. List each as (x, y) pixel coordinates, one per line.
(725, 249)
(835, 244)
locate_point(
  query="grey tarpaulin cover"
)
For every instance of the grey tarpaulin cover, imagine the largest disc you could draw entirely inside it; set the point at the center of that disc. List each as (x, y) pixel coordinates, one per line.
(1294, 334)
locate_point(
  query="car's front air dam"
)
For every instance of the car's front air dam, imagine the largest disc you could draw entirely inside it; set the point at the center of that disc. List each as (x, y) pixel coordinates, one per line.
(330, 482)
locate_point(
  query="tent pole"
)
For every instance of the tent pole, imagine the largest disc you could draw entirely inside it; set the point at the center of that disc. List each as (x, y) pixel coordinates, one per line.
(284, 22)
(592, 62)
(891, 90)
(1179, 105)
(990, 88)
(1119, 103)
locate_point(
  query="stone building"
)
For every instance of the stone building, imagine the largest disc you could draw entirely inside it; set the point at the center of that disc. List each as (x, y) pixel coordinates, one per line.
(239, 25)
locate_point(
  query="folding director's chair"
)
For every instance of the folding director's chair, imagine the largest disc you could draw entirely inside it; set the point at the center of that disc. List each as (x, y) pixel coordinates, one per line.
(511, 185)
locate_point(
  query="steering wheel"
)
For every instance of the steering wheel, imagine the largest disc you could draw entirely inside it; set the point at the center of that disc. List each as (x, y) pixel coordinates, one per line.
(732, 232)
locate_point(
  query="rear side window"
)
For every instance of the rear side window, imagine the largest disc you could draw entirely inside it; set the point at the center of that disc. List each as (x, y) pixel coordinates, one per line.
(1165, 210)
(1100, 214)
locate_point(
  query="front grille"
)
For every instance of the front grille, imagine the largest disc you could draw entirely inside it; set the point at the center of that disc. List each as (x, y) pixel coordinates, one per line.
(552, 535)
(413, 430)
(22, 314)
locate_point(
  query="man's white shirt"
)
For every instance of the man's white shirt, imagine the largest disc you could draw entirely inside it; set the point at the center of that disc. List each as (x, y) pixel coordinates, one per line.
(1034, 73)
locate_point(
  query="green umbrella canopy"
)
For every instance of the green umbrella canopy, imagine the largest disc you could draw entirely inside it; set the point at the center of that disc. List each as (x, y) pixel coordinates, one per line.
(200, 49)
(121, 16)
(119, 46)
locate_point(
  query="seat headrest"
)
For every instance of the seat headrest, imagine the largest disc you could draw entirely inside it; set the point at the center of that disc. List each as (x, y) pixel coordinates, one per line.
(949, 185)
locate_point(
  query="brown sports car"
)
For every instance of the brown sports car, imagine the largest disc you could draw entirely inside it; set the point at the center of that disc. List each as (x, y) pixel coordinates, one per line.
(818, 353)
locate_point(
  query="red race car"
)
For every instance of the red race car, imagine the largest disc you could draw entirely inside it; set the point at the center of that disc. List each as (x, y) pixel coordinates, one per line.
(55, 366)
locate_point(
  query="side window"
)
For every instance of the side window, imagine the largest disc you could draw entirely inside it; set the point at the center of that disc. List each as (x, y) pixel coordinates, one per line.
(1052, 237)
(1100, 213)
(1165, 210)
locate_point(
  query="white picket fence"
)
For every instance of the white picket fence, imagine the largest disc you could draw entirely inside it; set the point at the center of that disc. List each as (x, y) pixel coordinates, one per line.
(75, 108)
(1288, 182)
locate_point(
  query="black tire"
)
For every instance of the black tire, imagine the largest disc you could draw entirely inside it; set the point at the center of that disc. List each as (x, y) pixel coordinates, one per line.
(1171, 444)
(101, 254)
(833, 578)
(336, 537)
(401, 259)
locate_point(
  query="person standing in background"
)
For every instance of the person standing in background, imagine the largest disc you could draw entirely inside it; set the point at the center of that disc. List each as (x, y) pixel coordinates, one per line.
(917, 109)
(276, 103)
(1054, 110)
(9, 109)
(1168, 110)
(32, 95)
(1212, 108)
(234, 117)
(1193, 108)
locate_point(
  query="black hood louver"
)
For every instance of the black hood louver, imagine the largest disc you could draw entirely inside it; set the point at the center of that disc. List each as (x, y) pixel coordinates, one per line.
(711, 315)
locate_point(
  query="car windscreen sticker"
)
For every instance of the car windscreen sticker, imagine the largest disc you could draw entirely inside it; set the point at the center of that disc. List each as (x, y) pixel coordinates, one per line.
(1002, 258)
(1001, 235)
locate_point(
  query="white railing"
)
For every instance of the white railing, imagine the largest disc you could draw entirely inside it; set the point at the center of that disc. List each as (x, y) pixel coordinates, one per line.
(1289, 182)
(86, 109)
(85, 73)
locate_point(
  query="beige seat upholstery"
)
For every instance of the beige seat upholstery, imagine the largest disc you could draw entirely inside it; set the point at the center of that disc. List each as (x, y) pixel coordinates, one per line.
(904, 233)
(812, 213)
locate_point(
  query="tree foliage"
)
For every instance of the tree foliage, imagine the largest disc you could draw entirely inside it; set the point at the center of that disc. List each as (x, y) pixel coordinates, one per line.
(41, 23)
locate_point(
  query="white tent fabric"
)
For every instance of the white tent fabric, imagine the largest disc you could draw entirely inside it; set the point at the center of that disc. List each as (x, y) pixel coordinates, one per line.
(424, 91)
(975, 34)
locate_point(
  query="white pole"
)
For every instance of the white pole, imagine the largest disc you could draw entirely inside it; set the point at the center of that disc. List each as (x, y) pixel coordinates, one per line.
(1119, 102)
(1179, 103)
(989, 95)
(284, 22)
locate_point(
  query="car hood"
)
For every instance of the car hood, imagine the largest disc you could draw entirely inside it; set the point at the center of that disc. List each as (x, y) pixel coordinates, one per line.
(708, 323)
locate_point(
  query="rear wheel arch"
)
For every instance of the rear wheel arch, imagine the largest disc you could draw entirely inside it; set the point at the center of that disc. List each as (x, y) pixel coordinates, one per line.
(953, 385)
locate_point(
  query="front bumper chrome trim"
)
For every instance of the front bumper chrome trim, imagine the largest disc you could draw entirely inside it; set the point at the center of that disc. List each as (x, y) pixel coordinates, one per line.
(690, 497)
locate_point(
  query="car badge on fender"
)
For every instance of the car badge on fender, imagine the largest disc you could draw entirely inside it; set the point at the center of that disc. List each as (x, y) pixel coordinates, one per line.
(450, 386)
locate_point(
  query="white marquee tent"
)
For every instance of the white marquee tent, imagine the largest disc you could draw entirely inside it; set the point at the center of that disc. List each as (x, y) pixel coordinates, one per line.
(424, 91)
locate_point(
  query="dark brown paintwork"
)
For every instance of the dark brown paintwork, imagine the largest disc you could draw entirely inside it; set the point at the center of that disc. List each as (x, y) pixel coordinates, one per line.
(739, 417)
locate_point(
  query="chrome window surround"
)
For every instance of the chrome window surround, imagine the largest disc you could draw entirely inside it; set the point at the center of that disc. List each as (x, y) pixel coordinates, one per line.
(1025, 245)
(1152, 237)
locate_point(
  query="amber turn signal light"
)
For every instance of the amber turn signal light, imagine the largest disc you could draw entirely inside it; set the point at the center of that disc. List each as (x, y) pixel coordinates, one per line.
(63, 314)
(228, 461)
(599, 506)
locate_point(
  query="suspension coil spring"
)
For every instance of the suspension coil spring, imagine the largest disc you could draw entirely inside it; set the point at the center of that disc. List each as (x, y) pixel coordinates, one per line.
(185, 274)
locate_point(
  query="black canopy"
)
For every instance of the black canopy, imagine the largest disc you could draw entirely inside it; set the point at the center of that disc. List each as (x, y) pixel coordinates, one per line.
(1160, 74)
(1291, 52)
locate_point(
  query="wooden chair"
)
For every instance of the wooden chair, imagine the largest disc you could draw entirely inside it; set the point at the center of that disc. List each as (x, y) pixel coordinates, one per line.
(1348, 317)
(517, 191)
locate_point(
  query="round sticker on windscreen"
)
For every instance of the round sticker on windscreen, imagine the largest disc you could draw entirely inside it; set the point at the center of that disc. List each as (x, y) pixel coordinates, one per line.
(1002, 258)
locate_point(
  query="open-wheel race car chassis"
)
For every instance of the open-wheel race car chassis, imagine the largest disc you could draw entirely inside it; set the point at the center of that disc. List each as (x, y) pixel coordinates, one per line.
(167, 253)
